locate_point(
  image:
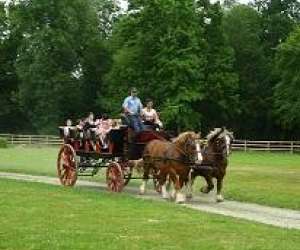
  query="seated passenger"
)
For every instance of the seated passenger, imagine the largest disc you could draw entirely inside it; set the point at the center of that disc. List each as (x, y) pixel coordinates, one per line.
(89, 121)
(133, 108)
(104, 125)
(67, 128)
(150, 116)
(80, 124)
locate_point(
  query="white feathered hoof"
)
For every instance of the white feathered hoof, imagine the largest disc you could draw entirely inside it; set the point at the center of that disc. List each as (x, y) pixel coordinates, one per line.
(164, 192)
(165, 195)
(220, 198)
(189, 196)
(204, 190)
(142, 190)
(180, 198)
(173, 194)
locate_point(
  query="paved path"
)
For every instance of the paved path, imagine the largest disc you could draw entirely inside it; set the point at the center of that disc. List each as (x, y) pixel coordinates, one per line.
(279, 217)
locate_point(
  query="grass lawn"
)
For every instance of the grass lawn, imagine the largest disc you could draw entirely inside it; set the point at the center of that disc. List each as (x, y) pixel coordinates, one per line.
(265, 178)
(260, 177)
(40, 216)
(30, 160)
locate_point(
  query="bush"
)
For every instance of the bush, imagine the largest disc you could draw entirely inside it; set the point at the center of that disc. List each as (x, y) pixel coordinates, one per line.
(3, 143)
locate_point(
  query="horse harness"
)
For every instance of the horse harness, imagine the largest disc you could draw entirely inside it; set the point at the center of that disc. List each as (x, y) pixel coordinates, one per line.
(185, 160)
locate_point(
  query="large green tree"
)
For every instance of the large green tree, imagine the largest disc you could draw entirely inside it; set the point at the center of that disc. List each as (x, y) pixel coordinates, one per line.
(158, 49)
(243, 26)
(287, 91)
(219, 105)
(61, 59)
(279, 19)
(11, 117)
(167, 50)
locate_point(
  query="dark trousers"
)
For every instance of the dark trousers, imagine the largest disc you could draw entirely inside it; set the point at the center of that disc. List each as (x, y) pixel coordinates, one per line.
(136, 123)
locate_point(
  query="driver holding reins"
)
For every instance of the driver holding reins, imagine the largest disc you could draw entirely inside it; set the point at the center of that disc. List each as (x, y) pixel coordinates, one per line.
(133, 109)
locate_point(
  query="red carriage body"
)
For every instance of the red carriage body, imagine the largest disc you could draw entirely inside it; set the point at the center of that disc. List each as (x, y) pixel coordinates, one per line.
(82, 154)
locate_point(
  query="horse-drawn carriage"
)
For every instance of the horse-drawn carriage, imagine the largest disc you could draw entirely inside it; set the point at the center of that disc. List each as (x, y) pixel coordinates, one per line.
(83, 155)
(180, 160)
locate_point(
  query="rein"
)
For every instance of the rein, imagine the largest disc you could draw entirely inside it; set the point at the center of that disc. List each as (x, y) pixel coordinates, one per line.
(171, 159)
(173, 143)
(183, 152)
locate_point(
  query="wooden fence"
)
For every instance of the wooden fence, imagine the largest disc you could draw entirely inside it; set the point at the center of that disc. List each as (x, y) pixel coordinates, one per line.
(32, 139)
(247, 145)
(241, 145)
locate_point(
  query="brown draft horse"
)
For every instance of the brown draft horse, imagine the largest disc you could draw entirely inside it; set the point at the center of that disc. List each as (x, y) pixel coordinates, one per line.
(172, 159)
(214, 161)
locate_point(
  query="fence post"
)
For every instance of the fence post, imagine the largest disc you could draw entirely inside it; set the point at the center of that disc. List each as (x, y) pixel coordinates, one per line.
(12, 139)
(269, 146)
(292, 147)
(245, 146)
(47, 140)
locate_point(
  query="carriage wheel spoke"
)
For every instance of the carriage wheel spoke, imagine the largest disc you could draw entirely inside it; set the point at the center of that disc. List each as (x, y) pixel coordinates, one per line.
(114, 177)
(66, 165)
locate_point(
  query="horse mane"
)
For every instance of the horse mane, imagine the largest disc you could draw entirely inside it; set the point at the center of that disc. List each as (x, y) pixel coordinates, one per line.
(217, 133)
(181, 138)
(214, 134)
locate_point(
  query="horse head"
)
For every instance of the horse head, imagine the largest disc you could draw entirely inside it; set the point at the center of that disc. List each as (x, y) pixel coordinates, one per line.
(220, 139)
(188, 142)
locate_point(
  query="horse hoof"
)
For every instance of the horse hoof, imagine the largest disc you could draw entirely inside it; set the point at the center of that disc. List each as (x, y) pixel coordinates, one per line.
(173, 195)
(220, 198)
(204, 190)
(142, 191)
(180, 198)
(189, 196)
(165, 196)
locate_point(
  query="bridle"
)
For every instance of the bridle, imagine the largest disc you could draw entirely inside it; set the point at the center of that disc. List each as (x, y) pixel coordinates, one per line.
(196, 154)
(226, 149)
(185, 152)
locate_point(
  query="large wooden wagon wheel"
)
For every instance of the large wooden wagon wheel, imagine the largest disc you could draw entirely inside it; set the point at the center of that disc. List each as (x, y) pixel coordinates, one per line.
(114, 177)
(67, 165)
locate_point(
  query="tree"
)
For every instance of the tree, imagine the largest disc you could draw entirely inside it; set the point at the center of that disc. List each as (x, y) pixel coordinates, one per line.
(11, 117)
(166, 49)
(61, 60)
(158, 49)
(279, 19)
(243, 26)
(220, 101)
(287, 91)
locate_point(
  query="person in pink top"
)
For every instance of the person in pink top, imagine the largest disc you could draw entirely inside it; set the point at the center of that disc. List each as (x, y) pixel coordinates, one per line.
(150, 116)
(104, 125)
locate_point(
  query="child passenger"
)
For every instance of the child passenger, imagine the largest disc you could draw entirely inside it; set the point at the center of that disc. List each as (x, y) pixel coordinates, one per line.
(67, 128)
(104, 125)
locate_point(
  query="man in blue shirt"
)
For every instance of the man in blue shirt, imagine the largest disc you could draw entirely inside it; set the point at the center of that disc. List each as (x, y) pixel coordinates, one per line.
(133, 107)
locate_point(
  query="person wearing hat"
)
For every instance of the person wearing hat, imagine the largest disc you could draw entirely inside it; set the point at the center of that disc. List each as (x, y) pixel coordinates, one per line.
(133, 108)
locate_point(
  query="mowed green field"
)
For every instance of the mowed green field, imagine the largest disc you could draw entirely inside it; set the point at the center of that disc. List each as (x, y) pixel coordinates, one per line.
(260, 177)
(40, 216)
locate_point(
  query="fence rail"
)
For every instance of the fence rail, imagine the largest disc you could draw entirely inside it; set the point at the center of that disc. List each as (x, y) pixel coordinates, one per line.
(247, 145)
(238, 145)
(32, 139)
